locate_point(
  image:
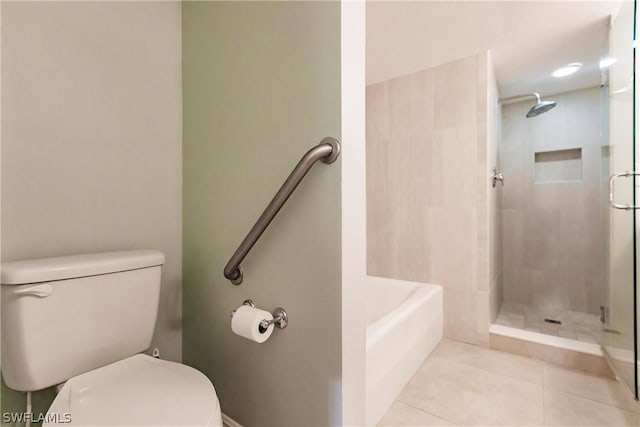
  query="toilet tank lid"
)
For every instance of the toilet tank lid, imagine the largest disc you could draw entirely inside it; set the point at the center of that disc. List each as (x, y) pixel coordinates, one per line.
(69, 267)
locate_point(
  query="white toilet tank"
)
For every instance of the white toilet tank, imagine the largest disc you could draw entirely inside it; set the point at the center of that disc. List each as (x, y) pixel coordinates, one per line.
(68, 315)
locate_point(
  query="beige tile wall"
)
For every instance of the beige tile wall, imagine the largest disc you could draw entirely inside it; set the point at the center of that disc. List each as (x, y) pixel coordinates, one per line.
(553, 232)
(428, 196)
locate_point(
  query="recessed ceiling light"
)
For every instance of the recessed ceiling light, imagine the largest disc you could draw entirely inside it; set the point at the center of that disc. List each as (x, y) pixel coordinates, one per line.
(607, 62)
(569, 69)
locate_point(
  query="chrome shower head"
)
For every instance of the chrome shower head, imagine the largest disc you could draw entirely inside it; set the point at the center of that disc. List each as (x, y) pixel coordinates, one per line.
(539, 107)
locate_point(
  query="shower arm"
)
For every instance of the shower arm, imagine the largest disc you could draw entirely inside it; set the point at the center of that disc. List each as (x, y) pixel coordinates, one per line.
(327, 151)
(524, 95)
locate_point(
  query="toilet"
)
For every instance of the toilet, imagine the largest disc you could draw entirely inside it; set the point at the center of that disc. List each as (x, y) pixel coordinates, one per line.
(81, 323)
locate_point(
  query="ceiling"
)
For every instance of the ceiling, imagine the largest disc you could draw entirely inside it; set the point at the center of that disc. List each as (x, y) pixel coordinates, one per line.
(527, 39)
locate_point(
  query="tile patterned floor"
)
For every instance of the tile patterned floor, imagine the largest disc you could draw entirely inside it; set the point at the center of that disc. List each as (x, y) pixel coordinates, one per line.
(465, 385)
(575, 325)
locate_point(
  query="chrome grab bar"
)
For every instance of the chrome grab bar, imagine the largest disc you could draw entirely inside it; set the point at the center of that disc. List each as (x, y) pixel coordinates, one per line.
(328, 151)
(612, 178)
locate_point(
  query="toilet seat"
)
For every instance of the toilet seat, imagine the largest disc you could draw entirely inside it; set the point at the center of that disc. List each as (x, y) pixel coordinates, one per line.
(138, 391)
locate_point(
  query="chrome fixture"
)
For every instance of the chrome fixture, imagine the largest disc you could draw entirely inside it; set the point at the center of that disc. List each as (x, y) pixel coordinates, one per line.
(327, 151)
(539, 108)
(604, 314)
(612, 178)
(497, 177)
(280, 317)
(248, 302)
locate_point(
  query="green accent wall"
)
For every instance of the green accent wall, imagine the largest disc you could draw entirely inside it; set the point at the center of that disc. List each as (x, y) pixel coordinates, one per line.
(261, 85)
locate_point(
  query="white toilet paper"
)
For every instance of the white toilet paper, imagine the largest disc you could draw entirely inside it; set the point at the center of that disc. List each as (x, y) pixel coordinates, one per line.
(246, 323)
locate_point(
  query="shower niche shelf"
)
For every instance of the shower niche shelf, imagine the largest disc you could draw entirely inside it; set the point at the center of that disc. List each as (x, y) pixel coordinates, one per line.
(558, 165)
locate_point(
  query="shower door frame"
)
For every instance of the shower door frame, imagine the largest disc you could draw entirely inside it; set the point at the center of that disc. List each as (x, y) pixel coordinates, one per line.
(624, 278)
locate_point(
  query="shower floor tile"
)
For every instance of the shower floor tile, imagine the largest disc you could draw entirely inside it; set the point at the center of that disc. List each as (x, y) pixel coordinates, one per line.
(574, 325)
(465, 385)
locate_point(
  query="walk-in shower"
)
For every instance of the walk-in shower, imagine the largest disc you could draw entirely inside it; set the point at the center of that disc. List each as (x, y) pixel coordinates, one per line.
(539, 107)
(553, 221)
(568, 268)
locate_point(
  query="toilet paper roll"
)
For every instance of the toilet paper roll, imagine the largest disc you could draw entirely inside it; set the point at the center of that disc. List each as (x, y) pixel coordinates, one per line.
(246, 323)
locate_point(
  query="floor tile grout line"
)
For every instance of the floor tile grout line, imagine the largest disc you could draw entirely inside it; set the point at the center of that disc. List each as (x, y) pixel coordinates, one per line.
(490, 371)
(485, 371)
(594, 401)
(547, 369)
(573, 394)
(580, 371)
(427, 412)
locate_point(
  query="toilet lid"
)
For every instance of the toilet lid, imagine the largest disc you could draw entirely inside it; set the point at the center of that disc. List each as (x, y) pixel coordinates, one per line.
(140, 391)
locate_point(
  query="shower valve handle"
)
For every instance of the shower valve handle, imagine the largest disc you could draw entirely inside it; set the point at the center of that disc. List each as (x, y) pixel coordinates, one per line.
(497, 177)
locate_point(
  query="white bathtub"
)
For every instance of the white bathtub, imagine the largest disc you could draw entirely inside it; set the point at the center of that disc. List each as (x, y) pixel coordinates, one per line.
(404, 324)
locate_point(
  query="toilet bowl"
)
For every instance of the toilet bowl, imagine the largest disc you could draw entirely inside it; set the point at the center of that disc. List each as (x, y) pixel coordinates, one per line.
(83, 321)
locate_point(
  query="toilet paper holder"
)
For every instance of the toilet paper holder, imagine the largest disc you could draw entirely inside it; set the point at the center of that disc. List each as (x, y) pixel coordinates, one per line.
(280, 318)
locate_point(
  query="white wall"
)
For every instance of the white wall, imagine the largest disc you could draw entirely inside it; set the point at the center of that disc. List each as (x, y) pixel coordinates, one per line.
(404, 37)
(353, 211)
(91, 136)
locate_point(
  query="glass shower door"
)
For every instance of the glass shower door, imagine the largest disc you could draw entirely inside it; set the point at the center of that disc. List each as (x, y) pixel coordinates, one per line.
(619, 338)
